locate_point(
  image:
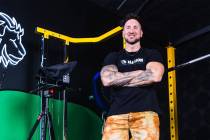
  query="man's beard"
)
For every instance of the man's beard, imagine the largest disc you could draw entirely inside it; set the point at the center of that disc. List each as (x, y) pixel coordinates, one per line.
(132, 42)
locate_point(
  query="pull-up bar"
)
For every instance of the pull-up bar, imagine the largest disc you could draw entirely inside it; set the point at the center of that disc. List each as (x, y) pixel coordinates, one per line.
(47, 33)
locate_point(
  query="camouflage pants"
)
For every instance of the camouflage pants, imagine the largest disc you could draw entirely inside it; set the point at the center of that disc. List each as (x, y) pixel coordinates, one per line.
(142, 126)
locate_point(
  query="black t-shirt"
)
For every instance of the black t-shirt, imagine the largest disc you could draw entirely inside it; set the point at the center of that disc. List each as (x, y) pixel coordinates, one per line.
(133, 99)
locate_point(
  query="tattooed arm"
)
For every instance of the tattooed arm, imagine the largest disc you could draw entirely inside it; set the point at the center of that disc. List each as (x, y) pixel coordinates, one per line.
(153, 73)
(110, 76)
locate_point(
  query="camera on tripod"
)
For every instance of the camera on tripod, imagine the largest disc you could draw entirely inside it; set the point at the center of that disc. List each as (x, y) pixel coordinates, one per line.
(58, 73)
(52, 77)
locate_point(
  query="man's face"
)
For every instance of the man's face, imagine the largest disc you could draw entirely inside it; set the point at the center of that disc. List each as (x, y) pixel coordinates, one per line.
(132, 31)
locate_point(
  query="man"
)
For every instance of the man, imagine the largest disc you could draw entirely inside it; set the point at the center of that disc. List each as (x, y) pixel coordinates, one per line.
(130, 74)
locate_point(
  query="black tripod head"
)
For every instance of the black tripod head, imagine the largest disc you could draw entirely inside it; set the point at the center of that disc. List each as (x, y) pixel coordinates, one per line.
(58, 73)
(55, 76)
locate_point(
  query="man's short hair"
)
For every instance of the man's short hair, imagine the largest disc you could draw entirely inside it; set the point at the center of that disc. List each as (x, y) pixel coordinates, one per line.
(128, 17)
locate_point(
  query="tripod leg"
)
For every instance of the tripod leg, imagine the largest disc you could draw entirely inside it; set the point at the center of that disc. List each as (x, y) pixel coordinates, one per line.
(35, 126)
(50, 125)
(64, 115)
(43, 127)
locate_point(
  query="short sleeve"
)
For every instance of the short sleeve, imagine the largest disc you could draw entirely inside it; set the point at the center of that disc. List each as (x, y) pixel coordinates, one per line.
(110, 59)
(154, 55)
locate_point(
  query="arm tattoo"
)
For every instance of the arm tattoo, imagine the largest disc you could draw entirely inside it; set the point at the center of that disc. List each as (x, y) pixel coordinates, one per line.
(112, 68)
(144, 78)
(109, 71)
(122, 79)
(111, 75)
(146, 75)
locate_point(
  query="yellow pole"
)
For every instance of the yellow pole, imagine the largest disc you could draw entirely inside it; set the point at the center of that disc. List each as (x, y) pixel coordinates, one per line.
(172, 94)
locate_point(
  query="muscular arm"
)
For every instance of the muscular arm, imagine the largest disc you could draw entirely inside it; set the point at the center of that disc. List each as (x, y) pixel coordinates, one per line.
(153, 73)
(110, 76)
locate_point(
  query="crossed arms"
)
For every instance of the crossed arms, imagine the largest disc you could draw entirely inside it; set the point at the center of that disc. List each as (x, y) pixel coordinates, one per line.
(110, 76)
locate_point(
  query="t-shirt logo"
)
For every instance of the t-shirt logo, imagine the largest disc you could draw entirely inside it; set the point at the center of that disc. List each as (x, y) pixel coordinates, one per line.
(132, 62)
(123, 62)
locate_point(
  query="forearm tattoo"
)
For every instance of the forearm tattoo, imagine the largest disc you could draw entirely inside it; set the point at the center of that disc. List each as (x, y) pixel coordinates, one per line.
(142, 79)
(111, 74)
(146, 75)
(122, 79)
(109, 71)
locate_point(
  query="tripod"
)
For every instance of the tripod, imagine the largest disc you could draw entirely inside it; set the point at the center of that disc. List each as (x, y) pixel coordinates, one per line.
(57, 73)
(45, 119)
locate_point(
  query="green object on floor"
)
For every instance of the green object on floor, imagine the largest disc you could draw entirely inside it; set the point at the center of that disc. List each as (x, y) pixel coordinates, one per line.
(19, 111)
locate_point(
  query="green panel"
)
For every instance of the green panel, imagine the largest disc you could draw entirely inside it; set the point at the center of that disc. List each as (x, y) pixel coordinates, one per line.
(19, 111)
(83, 124)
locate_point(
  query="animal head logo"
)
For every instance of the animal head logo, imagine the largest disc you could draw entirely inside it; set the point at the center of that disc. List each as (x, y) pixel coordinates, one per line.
(12, 50)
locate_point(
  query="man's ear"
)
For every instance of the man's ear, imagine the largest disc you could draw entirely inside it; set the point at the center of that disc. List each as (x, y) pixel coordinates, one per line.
(142, 33)
(122, 33)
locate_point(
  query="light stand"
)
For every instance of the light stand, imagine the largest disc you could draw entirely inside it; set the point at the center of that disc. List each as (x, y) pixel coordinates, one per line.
(45, 117)
(61, 74)
(66, 80)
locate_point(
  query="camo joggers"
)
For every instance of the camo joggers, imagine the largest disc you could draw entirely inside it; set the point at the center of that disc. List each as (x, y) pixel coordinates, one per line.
(142, 126)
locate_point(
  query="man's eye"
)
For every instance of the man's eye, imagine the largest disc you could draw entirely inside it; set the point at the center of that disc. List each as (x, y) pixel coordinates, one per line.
(135, 27)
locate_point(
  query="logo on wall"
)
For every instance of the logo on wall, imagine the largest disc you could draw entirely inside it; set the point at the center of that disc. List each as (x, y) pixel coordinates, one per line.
(12, 50)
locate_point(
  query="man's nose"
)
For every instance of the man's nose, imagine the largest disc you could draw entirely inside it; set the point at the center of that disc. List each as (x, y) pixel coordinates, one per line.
(131, 31)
